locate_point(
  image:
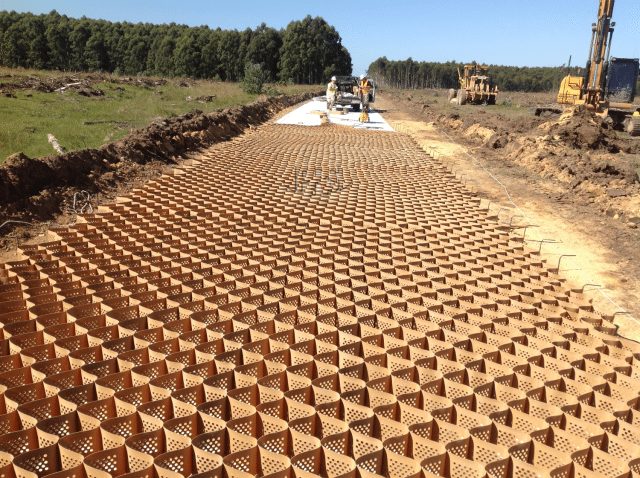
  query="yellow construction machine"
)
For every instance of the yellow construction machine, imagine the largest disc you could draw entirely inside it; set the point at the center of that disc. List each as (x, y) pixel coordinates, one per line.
(476, 87)
(608, 85)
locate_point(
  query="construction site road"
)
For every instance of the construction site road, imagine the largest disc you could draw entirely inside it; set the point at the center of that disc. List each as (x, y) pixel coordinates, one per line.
(306, 301)
(314, 113)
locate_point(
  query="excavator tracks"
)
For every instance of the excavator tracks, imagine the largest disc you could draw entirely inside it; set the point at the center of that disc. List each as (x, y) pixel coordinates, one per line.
(634, 126)
(306, 302)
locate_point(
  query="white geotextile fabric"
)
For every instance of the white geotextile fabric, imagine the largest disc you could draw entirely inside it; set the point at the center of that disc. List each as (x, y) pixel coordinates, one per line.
(309, 114)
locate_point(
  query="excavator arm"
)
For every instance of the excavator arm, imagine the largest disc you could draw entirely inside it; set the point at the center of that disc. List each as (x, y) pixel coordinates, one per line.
(589, 89)
(595, 75)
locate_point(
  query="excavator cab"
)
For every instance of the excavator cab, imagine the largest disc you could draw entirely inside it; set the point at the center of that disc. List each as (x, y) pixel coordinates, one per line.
(620, 84)
(622, 80)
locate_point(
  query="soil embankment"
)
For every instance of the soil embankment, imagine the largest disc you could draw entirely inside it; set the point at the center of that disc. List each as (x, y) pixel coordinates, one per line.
(40, 189)
(589, 161)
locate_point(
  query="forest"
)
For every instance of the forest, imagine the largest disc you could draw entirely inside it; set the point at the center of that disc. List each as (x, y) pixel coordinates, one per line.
(307, 51)
(410, 74)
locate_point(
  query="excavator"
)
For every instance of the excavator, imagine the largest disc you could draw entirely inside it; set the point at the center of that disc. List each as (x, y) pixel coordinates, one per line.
(608, 85)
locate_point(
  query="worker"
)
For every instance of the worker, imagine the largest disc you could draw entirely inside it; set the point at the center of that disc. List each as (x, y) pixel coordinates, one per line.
(332, 93)
(365, 86)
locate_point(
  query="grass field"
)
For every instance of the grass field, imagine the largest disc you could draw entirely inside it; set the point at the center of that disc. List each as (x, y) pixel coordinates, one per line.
(509, 104)
(85, 122)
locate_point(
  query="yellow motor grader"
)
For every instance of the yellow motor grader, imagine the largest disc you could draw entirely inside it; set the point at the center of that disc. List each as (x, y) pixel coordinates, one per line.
(476, 87)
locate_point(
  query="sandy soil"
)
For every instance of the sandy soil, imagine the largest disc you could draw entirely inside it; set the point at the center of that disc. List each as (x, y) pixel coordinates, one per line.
(598, 249)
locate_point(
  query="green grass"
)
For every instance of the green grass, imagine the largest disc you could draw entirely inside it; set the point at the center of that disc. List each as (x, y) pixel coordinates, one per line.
(86, 122)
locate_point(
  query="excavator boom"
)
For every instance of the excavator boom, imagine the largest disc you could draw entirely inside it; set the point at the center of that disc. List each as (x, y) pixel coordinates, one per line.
(589, 88)
(596, 70)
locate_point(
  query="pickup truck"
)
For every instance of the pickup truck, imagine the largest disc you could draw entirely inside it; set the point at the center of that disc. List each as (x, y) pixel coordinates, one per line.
(348, 94)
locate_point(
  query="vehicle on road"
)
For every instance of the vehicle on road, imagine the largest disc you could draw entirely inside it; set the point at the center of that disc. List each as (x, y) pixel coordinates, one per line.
(349, 94)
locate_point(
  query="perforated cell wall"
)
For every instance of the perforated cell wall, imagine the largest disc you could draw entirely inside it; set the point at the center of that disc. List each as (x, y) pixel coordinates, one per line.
(306, 302)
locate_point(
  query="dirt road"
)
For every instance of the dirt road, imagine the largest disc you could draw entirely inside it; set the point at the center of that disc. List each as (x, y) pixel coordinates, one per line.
(306, 301)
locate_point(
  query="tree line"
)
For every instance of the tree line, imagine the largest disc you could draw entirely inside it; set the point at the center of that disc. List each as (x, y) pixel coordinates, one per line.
(307, 51)
(410, 74)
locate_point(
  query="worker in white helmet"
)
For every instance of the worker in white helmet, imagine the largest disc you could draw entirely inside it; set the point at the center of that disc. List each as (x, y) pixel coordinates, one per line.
(365, 87)
(332, 93)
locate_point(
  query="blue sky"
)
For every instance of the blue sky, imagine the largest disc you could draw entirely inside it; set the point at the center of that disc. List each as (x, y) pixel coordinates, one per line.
(509, 32)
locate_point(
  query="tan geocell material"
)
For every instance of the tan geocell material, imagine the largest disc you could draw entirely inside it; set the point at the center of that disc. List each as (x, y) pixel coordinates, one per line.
(240, 316)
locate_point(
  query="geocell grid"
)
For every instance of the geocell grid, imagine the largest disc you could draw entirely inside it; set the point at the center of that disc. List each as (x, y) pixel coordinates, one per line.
(306, 302)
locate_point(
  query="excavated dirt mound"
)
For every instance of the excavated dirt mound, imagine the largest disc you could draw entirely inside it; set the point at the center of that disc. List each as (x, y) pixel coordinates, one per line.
(578, 149)
(581, 129)
(38, 189)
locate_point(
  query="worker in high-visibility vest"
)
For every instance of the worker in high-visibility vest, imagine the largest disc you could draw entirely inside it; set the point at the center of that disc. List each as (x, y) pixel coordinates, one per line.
(366, 87)
(332, 93)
